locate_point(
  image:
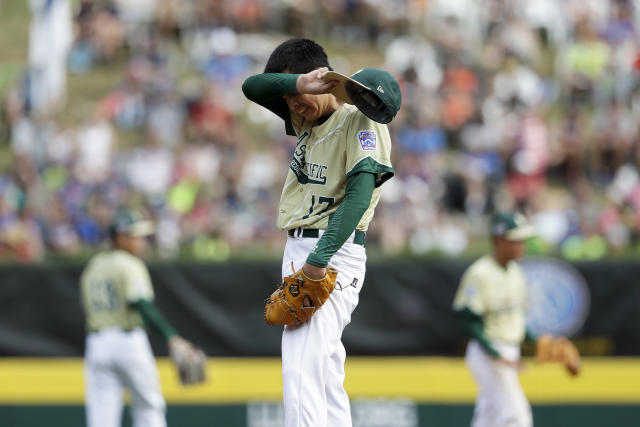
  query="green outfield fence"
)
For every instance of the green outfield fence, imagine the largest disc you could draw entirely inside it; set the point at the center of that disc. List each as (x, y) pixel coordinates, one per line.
(436, 415)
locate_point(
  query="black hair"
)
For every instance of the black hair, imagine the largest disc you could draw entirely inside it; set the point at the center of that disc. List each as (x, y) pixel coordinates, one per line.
(112, 234)
(297, 56)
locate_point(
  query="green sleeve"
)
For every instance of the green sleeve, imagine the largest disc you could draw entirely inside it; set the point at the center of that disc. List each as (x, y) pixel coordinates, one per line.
(345, 219)
(267, 89)
(475, 327)
(153, 318)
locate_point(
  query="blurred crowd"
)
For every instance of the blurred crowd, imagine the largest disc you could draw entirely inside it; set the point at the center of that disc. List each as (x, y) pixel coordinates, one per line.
(507, 104)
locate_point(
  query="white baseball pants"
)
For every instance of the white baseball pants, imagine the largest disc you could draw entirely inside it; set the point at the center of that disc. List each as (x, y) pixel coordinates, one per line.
(500, 402)
(313, 356)
(116, 360)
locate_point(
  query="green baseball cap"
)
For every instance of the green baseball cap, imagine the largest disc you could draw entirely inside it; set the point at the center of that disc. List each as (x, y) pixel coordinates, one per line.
(375, 92)
(133, 223)
(511, 225)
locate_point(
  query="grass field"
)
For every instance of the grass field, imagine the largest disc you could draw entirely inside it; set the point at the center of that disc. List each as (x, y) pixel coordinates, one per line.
(14, 41)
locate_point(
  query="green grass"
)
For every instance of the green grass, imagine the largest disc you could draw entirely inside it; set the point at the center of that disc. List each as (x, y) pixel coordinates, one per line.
(14, 41)
(84, 90)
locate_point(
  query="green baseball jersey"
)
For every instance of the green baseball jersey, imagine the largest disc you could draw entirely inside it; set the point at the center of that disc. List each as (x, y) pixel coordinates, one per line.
(346, 143)
(109, 284)
(496, 294)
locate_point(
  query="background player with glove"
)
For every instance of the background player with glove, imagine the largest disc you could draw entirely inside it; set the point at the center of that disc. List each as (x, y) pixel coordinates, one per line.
(492, 301)
(332, 188)
(117, 298)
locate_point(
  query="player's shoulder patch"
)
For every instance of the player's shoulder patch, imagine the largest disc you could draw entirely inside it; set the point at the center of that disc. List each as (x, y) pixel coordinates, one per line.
(368, 140)
(471, 292)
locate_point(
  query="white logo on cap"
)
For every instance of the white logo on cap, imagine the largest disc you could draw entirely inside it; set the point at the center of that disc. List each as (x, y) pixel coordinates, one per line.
(379, 89)
(499, 229)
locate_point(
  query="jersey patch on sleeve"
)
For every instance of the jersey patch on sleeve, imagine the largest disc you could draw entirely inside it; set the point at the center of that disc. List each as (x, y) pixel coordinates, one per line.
(367, 139)
(470, 292)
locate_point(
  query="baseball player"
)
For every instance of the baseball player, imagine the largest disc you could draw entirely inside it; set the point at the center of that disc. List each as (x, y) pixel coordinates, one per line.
(331, 190)
(117, 297)
(491, 301)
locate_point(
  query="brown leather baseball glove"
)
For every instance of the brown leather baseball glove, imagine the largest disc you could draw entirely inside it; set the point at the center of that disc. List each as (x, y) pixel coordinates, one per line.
(558, 350)
(298, 298)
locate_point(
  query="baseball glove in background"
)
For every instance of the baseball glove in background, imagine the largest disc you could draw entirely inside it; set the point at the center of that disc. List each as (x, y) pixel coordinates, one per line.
(189, 360)
(298, 297)
(558, 350)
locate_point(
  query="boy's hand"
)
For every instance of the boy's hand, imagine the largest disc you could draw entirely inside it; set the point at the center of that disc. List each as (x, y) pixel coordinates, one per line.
(313, 83)
(313, 271)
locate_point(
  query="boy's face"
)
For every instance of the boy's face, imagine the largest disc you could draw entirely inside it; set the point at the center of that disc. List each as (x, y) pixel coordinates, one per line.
(311, 107)
(135, 245)
(510, 249)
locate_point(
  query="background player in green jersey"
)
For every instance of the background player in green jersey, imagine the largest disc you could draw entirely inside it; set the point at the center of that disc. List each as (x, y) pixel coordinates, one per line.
(117, 297)
(332, 188)
(492, 301)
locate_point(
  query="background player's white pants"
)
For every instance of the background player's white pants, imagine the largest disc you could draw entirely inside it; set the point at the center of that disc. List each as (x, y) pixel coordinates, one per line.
(312, 354)
(501, 401)
(115, 360)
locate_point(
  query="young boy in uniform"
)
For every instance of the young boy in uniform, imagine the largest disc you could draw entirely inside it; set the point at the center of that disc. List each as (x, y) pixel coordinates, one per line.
(491, 300)
(117, 297)
(332, 188)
